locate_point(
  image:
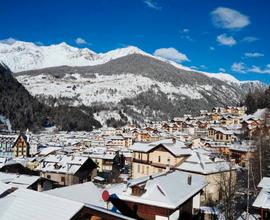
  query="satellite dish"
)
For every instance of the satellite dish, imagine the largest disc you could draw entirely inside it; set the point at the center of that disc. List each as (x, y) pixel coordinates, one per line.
(105, 195)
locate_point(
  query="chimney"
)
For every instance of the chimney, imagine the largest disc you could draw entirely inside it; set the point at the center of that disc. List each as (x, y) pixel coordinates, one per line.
(173, 140)
(189, 179)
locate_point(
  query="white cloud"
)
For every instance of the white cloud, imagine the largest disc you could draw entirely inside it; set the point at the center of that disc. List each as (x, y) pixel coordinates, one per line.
(80, 41)
(256, 69)
(211, 48)
(223, 39)
(203, 67)
(254, 55)
(227, 18)
(152, 4)
(239, 67)
(9, 40)
(171, 54)
(249, 39)
(242, 68)
(222, 70)
(185, 30)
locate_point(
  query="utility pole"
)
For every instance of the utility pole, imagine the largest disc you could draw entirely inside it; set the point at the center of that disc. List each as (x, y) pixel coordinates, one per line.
(247, 215)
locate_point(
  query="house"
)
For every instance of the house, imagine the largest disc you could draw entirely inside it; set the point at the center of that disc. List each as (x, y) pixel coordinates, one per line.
(227, 120)
(109, 164)
(21, 147)
(242, 152)
(220, 134)
(157, 156)
(215, 116)
(17, 166)
(262, 201)
(108, 131)
(36, 183)
(250, 127)
(67, 169)
(146, 136)
(116, 141)
(212, 169)
(31, 205)
(222, 148)
(128, 140)
(168, 195)
(6, 144)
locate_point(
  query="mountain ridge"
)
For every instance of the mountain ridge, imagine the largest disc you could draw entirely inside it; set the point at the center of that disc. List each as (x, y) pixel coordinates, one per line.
(24, 56)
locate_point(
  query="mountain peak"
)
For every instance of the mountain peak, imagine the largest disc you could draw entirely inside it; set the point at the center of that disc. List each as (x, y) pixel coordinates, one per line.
(121, 52)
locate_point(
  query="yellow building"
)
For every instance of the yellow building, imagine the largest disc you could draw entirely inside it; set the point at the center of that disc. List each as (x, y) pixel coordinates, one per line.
(157, 156)
(219, 134)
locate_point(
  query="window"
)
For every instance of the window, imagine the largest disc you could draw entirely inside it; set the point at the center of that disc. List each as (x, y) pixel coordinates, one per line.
(48, 176)
(159, 159)
(142, 169)
(138, 168)
(147, 170)
(62, 179)
(169, 160)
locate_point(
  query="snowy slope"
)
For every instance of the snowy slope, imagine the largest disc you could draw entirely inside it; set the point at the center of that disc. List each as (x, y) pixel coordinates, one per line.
(21, 56)
(101, 88)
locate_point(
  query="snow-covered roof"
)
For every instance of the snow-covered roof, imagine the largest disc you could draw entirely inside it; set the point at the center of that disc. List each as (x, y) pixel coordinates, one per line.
(250, 216)
(62, 164)
(4, 187)
(263, 199)
(200, 163)
(32, 205)
(87, 193)
(18, 180)
(265, 183)
(169, 190)
(106, 156)
(48, 150)
(177, 148)
(223, 131)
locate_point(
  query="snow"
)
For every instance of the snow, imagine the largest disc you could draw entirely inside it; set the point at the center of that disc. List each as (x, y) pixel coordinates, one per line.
(199, 163)
(28, 204)
(87, 193)
(178, 148)
(22, 56)
(223, 77)
(101, 88)
(168, 190)
(62, 164)
(6, 121)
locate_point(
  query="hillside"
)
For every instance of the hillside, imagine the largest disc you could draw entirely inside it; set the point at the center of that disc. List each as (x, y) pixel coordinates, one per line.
(141, 85)
(25, 111)
(17, 104)
(138, 83)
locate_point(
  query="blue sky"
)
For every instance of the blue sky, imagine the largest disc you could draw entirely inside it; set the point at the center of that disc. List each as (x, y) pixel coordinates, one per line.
(210, 35)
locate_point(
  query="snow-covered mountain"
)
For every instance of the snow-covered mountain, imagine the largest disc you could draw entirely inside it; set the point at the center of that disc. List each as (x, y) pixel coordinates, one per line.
(128, 78)
(21, 56)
